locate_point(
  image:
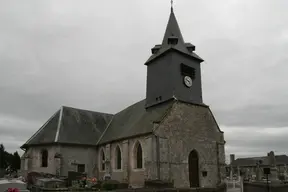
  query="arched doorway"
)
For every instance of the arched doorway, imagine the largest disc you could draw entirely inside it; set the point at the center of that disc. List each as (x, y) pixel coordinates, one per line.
(193, 169)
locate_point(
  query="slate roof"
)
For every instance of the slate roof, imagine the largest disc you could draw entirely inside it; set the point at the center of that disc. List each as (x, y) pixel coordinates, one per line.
(135, 120)
(71, 125)
(173, 30)
(76, 126)
(280, 160)
(82, 126)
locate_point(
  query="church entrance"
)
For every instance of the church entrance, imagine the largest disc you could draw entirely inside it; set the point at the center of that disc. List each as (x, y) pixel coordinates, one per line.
(193, 169)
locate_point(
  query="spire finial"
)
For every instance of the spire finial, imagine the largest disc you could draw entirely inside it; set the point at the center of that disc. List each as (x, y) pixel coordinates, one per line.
(171, 5)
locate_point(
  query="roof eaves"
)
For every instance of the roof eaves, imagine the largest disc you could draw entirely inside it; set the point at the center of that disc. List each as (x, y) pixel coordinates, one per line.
(166, 50)
(215, 120)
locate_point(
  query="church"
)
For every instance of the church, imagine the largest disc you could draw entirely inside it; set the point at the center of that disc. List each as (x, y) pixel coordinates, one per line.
(170, 135)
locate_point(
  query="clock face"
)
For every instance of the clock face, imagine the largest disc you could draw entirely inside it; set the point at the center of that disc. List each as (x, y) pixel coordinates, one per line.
(188, 81)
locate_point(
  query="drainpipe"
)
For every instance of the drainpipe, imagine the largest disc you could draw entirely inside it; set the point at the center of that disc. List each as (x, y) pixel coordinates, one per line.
(158, 156)
(218, 162)
(128, 162)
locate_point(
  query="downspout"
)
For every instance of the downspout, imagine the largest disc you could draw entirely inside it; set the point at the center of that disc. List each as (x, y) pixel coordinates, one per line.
(158, 156)
(128, 163)
(158, 162)
(218, 164)
(218, 161)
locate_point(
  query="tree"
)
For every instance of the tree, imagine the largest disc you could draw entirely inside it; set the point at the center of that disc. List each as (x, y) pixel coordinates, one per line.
(2, 157)
(16, 161)
(9, 160)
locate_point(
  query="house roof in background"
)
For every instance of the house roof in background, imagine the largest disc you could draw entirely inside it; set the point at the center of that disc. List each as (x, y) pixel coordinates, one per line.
(252, 161)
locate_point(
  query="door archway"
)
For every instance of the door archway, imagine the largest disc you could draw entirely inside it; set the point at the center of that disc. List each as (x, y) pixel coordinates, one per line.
(193, 164)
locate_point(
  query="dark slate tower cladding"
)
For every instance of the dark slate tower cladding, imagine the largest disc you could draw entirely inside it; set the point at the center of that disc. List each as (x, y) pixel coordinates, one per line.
(173, 70)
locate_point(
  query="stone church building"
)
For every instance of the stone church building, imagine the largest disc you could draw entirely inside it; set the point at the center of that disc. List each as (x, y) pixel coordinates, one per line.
(170, 135)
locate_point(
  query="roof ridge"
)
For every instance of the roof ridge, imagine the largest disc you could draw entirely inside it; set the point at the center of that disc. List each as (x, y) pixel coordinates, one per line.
(59, 124)
(67, 107)
(251, 158)
(104, 131)
(130, 106)
(260, 157)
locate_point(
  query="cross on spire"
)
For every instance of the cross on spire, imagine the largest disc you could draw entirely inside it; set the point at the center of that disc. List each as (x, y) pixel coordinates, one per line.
(171, 5)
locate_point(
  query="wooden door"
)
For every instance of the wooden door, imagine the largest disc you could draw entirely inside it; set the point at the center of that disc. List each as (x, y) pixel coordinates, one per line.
(193, 169)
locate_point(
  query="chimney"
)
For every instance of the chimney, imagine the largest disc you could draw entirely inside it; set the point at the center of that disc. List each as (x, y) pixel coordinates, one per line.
(232, 158)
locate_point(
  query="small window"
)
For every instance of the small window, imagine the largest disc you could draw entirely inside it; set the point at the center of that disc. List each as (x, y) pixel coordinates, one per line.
(102, 160)
(118, 158)
(187, 71)
(81, 168)
(44, 158)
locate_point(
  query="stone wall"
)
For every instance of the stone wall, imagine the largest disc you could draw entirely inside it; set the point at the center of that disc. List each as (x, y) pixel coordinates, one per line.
(186, 128)
(128, 172)
(74, 155)
(71, 156)
(32, 159)
(261, 187)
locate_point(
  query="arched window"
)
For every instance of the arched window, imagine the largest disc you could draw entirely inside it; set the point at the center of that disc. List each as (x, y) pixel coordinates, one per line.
(138, 156)
(44, 158)
(102, 160)
(118, 158)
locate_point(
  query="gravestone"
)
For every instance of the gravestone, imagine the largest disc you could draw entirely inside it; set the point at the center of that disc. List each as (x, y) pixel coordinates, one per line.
(258, 174)
(273, 170)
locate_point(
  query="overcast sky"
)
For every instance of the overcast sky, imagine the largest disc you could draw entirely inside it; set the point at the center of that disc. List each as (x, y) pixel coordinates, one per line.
(91, 54)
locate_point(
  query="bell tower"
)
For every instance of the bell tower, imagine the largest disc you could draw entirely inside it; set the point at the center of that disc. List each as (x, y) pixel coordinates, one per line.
(173, 69)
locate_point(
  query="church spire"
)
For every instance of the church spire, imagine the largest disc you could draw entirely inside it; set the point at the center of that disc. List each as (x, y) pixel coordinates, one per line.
(172, 29)
(172, 40)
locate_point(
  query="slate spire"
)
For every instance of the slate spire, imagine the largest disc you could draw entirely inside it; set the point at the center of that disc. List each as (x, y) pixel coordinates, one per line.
(172, 39)
(172, 30)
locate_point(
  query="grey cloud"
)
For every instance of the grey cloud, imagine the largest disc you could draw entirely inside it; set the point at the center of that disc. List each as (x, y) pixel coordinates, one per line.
(255, 141)
(12, 144)
(265, 115)
(19, 133)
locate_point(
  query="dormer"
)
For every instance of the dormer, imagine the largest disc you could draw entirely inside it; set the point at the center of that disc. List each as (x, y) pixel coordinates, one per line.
(190, 47)
(172, 40)
(155, 49)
